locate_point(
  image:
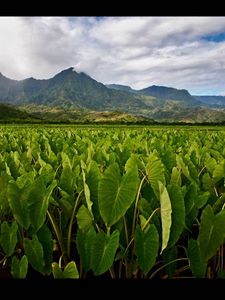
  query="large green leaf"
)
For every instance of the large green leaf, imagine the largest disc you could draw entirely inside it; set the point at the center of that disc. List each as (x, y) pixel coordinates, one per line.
(165, 210)
(169, 159)
(178, 213)
(169, 257)
(191, 167)
(25, 181)
(175, 177)
(84, 243)
(87, 194)
(211, 233)
(4, 205)
(146, 247)
(219, 172)
(116, 193)
(18, 203)
(8, 237)
(131, 164)
(92, 179)
(47, 174)
(198, 267)
(66, 203)
(210, 163)
(202, 199)
(181, 165)
(45, 237)
(67, 178)
(56, 271)
(38, 202)
(103, 251)
(19, 268)
(155, 172)
(34, 252)
(190, 197)
(84, 218)
(207, 183)
(217, 206)
(69, 272)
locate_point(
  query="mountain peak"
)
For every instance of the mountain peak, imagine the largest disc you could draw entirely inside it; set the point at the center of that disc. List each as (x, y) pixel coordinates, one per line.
(163, 92)
(2, 75)
(70, 69)
(4, 78)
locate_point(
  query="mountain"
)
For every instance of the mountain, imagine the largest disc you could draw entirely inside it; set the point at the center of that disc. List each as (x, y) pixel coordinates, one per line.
(160, 93)
(211, 101)
(78, 90)
(71, 93)
(6, 87)
(120, 87)
(67, 89)
(169, 93)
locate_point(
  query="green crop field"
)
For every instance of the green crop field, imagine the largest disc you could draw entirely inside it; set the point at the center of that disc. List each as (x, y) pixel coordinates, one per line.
(112, 201)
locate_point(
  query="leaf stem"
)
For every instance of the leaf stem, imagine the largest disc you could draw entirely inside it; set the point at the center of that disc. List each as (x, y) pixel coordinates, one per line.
(120, 268)
(149, 219)
(125, 229)
(108, 231)
(112, 273)
(135, 208)
(57, 232)
(162, 267)
(71, 223)
(201, 171)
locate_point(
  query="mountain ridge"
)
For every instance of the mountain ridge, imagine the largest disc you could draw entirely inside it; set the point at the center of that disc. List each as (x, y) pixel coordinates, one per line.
(211, 100)
(69, 89)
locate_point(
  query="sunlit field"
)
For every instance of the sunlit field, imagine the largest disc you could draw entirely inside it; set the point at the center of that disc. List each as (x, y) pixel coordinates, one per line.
(112, 201)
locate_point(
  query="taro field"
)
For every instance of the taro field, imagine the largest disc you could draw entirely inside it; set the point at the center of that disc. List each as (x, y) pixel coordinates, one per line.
(112, 202)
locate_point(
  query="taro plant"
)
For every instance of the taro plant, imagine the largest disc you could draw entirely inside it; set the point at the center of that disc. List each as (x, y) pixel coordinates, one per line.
(133, 203)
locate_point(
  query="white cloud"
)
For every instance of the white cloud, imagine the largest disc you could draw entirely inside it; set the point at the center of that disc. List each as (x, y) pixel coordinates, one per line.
(136, 51)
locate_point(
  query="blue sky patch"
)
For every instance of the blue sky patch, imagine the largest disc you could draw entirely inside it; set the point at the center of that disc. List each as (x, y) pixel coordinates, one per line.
(219, 37)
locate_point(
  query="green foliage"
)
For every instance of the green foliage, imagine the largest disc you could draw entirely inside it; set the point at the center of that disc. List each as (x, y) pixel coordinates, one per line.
(165, 210)
(38, 202)
(146, 247)
(155, 172)
(35, 254)
(70, 271)
(116, 193)
(45, 237)
(85, 242)
(103, 251)
(211, 233)
(84, 218)
(109, 199)
(197, 264)
(8, 237)
(169, 257)
(178, 213)
(19, 268)
(18, 204)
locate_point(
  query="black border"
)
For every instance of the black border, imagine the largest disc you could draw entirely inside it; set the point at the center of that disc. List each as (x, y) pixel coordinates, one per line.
(112, 8)
(97, 288)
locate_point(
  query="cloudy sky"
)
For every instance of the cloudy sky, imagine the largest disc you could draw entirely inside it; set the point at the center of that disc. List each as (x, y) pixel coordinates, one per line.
(182, 52)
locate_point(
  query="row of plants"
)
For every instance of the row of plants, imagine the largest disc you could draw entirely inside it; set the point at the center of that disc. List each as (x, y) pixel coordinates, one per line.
(116, 203)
